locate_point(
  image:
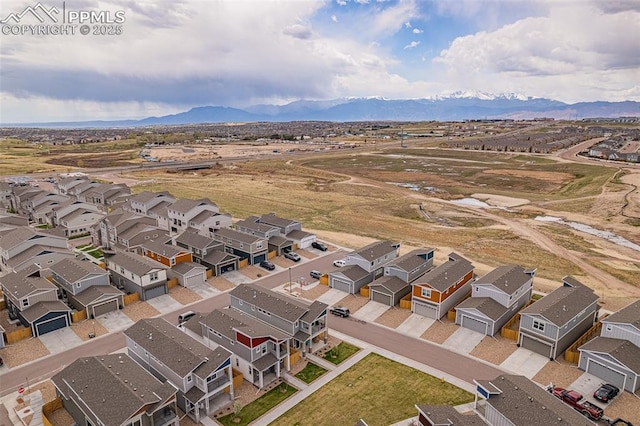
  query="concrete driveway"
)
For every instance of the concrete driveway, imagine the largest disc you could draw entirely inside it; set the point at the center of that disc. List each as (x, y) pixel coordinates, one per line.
(415, 325)
(525, 362)
(204, 290)
(115, 321)
(586, 385)
(60, 340)
(463, 340)
(332, 297)
(164, 303)
(236, 277)
(371, 311)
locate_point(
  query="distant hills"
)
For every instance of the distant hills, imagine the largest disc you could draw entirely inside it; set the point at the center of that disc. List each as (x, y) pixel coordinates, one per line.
(457, 106)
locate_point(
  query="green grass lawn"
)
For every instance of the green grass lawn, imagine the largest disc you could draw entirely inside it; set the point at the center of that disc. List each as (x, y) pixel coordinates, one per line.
(376, 389)
(97, 253)
(310, 372)
(259, 407)
(341, 352)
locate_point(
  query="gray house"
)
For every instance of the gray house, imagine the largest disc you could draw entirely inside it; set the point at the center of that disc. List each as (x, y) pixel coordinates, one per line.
(202, 375)
(396, 282)
(245, 246)
(614, 356)
(138, 274)
(495, 298)
(115, 390)
(260, 351)
(304, 322)
(550, 325)
(445, 415)
(208, 252)
(86, 286)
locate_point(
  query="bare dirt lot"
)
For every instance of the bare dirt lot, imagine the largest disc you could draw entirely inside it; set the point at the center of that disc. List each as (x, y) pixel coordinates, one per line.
(23, 351)
(140, 310)
(184, 295)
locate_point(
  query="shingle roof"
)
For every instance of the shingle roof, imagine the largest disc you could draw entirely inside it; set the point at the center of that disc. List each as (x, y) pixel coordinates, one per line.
(166, 250)
(41, 309)
(391, 283)
(139, 265)
(15, 237)
(20, 285)
(237, 235)
(177, 350)
(185, 205)
(215, 257)
(507, 278)
(185, 267)
(74, 270)
(447, 274)
(114, 387)
(563, 303)
(377, 249)
(315, 310)
(353, 272)
(95, 292)
(297, 234)
(484, 305)
(272, 219)
(447, 415)
(252, 224)
(630, 314)
(228, 321)
(278, 304)
(625, 352)
(411, 260)
(34, 251)
(193, 239)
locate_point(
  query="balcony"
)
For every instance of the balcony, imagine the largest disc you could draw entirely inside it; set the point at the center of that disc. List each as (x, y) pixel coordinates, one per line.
(164, 417)
(316, 328)
(217, 383)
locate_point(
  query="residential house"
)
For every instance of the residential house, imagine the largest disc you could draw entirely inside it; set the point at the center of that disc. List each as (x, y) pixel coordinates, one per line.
(79, 221)
(41, 206)
(277, 242)
(364, 266)
(64, 186)
(202, 375)
(115, 390)
(184, 210)
(115, 228)
(439, 290)
(208, 252)
(86, 287)
(167, 254)
(515, 400)
(245, 246)
(551, 324)
(445, 415)
(259, 351)
(40, 255)
(398, 275)
(138, 274)
(188, 274)
(305, 323)
(301, 239)
(614, 356)
(33, 300)
(144, 202)
(106, 195)
(19, 240)
(495, 298)
(20, 197)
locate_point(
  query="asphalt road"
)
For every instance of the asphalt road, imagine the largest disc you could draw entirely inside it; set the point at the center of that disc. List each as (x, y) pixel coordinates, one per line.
(422, 351)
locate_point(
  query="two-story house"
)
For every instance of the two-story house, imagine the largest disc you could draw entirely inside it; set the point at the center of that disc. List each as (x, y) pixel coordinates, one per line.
(86, 287)
(289, 228)
(144, 202)
(202, 375)
(208, 252)
(398, 275)
(24, 246)
(551, 324)
(364, 266)
(117, 227)
(439, 290)
(245, 246)
(33, 300)
(167, 254)
(64, 186)
(614, 356)
(276, 240)
(305, 323)
(79, 221)
(41, 206)
(106, 195)
(115, 390)
(138, 274)
(495, 298)
(260, 351)
(184, 210)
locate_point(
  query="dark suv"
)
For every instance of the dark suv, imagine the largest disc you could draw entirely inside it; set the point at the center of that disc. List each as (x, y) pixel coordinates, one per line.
(267, 265)
(606, 393)
(318, 245)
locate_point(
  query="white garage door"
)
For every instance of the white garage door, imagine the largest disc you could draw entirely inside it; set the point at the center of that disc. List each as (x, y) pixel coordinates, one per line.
(341, 285)
(194, 280)
(474, 324)
(426, 310)
(607, 374)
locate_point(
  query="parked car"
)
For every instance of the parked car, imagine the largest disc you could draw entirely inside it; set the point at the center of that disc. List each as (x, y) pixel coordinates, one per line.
(292, 255)
(339, 263)
(185, 316)
(318, 245)
(1, 361)
(315, 274)
(267, 265)
(606, 392)
(339, 311)
(575, 400)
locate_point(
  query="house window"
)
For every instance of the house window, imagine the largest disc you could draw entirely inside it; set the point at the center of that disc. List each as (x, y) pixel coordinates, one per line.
(258, 350)
(538, 325)
(25, 302)
(189, 379)
(78, 285)
(237, 362)
(121, 270)
(153, 276)
(259, 245)
(173, 261)
(426, 292)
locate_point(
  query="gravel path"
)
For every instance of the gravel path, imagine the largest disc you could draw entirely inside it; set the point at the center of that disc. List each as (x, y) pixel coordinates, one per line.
(184, 295)
(23, 351)
(495, 350)
(393, 317)
(82, 329)
(140, 310)
(439, 331)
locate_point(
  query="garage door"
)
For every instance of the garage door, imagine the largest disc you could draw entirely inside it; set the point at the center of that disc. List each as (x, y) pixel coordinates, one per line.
(381, 298)
(51, 325)
(605, 373)
(105, 308)
(341, 285)
(228, 268)
(426, 310)
(194, 280)
(259, 259)
(474, 324)
(154, 292)
(536, 346)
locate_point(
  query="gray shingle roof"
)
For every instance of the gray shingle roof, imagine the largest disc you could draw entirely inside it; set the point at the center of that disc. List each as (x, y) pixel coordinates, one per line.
(484, 305)
(630, 314)
(623, 351)
(447, 274)
(507, 278)
(186, 267)
(353, 272)
(74, 270)
(411, 260)
(15, 237)
(165, 250)
(392, 284)
(20, 285)
(377, 249)
(447, 415)
(563, 303)
(114, 387)
(238, 236)
(34, 251)
(272, 219)
(185, 205)
(278, 304)
(195, 240)
(315, 310)
(297, 234)
(95, 292)
(253, 225)
(216, 257)
(228, 321)
(41, 309)
(139, 265)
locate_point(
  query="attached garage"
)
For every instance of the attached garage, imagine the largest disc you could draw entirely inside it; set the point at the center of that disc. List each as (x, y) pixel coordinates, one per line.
(425, 309)
(44, 317)
(46, 325)
(259, 258)
(104, 308)
(150, 293)
(381, 297)
(341, 285)
(98, 300)
(537, 346)
(607, 374)
(615, 361)
(474, 324)
(188, 274)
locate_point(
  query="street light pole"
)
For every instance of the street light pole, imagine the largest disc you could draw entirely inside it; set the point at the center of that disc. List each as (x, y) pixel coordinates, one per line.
(289, 280)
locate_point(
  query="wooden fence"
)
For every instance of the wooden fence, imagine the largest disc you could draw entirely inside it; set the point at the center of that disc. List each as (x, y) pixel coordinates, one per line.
(364, 291)
(17, 335)
(272, 254)
(405, 302)
(324, 280)
(128, 299)
(242, 263)
(173, 282)
(3, 304)
(294, 356)
(52, 406)
(237, 379)
(79, 316)
(451, 315)
(510, 330)
(209, 273)
(572, 354)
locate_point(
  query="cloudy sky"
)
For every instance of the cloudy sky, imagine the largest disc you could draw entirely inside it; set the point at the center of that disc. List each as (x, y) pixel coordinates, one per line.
(173, 55)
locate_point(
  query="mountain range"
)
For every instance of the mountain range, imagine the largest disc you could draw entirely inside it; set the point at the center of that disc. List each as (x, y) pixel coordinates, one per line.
(457, 106)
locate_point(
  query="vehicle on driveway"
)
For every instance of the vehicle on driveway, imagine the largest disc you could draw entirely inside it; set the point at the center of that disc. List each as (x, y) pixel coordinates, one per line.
(339, 263)
(339, 311)
(574, 399)
(315, 274)
(606, 392)
(292, 255)
(267, 265)
(318, 245)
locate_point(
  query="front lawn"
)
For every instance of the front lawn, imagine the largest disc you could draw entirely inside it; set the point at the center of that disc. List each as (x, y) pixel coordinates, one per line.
(96, 254)
(310, 372)
(376, 389)
(341, 352)
(260, 406)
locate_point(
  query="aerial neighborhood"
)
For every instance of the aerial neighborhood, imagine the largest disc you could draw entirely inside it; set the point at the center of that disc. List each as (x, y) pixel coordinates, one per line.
(85, 251)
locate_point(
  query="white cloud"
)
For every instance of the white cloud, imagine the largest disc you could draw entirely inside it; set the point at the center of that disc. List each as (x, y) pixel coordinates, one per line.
(407, 24)
(334, 18)
(417, 31)
(341, 2)
(412, 45)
